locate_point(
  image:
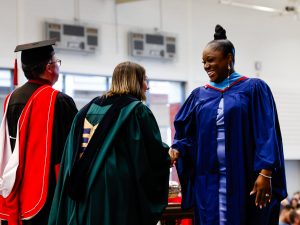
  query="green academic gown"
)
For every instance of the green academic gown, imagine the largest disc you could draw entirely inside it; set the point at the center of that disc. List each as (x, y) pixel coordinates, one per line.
(127, 178)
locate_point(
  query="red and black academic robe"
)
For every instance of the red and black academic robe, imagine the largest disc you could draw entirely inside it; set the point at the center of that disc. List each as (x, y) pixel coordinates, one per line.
(45, 118)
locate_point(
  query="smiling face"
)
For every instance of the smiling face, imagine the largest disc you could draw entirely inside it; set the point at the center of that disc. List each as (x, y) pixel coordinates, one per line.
(216, 63)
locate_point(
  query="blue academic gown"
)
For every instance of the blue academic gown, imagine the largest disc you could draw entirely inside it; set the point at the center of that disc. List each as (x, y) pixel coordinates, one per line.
(252, 142)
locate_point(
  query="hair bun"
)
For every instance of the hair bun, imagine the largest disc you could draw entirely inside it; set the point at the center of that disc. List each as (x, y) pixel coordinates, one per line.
(220, 33)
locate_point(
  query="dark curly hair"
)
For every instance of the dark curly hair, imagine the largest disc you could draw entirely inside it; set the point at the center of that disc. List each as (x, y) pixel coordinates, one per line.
(221, 43)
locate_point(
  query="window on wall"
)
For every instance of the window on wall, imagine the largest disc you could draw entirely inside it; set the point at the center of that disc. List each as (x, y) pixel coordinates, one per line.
(83, 88)
(164, 100)
(164, 97)
(6, 86)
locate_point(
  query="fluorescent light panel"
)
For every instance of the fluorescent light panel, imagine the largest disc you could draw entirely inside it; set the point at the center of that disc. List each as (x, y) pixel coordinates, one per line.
(257, 7)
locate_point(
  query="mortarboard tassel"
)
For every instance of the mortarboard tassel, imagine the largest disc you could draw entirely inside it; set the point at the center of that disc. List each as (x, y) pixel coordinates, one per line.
(16, 73)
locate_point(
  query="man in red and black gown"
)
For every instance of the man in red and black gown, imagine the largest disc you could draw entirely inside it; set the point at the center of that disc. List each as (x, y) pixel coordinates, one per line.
(38, 118)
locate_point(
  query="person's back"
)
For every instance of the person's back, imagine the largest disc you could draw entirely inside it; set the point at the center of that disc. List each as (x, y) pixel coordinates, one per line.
(118, 174)
(38, 120)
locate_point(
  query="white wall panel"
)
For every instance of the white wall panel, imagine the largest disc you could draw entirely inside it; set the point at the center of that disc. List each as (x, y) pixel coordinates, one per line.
(257, 36)
(8, 34)
(288, 107)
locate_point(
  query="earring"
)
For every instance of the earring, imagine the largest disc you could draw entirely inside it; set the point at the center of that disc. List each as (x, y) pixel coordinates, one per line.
(229, 68)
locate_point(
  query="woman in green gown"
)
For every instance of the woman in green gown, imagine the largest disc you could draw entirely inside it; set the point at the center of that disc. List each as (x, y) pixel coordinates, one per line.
(115, 167)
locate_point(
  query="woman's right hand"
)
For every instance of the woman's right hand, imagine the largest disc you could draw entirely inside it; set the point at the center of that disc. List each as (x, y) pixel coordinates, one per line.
(174, 154)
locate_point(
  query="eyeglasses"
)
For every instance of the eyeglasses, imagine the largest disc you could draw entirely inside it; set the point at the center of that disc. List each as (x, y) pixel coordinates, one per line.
(58, 61)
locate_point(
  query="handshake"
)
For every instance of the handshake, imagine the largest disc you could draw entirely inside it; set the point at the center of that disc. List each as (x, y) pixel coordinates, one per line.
(174, 155)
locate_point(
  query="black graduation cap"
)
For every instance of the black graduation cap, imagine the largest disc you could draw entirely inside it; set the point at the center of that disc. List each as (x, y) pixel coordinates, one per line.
(34, 53)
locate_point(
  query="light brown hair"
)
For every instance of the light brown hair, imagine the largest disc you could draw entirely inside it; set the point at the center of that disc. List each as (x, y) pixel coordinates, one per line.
(128, 78)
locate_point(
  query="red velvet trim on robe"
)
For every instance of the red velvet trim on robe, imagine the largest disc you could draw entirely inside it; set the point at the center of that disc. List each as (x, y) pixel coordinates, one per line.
(56, 167)
(30, 190)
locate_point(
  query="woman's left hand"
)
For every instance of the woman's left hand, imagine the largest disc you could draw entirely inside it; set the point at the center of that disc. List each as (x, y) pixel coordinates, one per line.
(263, 190)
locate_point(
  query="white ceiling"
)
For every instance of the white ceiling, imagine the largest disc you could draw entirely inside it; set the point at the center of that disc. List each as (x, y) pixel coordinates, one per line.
(277, 4)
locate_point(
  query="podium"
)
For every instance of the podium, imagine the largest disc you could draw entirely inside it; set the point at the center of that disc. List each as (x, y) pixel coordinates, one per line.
(174, 215)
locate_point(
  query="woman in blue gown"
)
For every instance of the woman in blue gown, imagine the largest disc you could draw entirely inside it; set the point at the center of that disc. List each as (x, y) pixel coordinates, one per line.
(228, 146)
